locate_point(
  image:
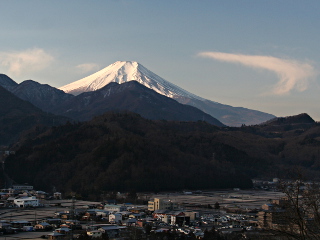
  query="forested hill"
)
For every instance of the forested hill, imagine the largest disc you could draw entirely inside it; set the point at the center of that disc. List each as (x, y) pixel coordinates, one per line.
(123, 151)
(18, 116)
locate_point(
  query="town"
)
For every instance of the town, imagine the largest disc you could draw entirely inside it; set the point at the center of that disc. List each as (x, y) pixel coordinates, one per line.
(29, 214)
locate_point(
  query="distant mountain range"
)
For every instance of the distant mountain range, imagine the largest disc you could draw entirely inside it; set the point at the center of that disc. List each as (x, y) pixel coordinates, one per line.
(88, 100)
(113, 149)
(129, 96)
(134, 97)
(124, 71)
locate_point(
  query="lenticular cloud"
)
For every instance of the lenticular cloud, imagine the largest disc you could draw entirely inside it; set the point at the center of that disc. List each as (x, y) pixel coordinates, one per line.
(293, 75)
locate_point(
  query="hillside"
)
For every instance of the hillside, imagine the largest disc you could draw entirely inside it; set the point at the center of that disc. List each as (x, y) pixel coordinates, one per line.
(7, 82)
(134, 97)
(123, 151)
(300, 119)
(129, 96)
(18, 116)
(42, 96)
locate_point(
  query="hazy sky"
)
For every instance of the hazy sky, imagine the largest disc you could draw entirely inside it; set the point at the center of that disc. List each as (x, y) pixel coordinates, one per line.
(262, 55)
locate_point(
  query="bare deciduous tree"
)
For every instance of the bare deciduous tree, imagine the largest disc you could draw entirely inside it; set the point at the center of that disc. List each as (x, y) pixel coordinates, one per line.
(297, 215)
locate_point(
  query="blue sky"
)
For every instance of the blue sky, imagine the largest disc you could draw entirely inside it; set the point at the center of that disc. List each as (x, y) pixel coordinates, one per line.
(262, 55)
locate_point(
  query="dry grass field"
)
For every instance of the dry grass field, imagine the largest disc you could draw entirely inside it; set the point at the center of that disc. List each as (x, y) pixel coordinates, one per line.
(245, 199)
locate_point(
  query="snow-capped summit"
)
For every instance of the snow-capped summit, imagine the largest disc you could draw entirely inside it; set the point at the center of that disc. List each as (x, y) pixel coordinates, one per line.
(124, 71)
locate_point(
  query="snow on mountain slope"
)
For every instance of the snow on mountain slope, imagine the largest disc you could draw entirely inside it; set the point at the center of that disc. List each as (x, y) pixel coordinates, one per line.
(121, 72)
(42, 96)
(124, 71)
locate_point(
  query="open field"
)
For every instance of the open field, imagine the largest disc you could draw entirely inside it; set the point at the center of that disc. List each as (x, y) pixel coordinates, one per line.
(18, 214)
(36, 214)
(245, 199)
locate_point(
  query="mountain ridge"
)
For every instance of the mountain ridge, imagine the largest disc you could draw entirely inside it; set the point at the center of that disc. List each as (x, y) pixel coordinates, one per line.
(124, 71)
(127, 152)
(18, 116)
(302, 118)
(83, 107)
(123, 152)
(42, 96)
(7, 82)
(135, 97)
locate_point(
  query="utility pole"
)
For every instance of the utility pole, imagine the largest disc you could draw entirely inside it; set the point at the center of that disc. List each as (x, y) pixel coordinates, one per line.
(35, 217)
(72, 213)
(73, 204)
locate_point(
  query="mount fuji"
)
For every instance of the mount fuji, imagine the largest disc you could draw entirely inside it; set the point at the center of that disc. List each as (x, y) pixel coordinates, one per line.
(121, 72)
(125, 71)
(133, 97)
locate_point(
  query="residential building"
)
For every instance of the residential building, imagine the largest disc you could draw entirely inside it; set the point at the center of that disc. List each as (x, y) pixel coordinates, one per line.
(193, 215)
(94, 233)
(159, 203)
(43, 226)
(22, 187)
(55, 236)
(115, 218)
(115, 208)
(26, 202)
(112, 230)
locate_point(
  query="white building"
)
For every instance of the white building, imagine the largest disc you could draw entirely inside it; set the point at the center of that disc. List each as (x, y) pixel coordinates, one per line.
(115, 218)
(26, 202)
(98, 212)
(115, 208)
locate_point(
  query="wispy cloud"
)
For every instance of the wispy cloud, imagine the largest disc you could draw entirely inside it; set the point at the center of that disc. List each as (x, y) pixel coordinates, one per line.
(88, 67)
(293, 75)
(27, 61)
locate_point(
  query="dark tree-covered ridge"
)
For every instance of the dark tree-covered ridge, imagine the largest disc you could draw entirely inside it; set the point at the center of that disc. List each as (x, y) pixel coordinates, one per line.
(18, 116)
(123, 151)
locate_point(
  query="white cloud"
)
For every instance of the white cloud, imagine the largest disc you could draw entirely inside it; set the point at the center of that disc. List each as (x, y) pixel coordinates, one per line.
(88, 67)
(27, 61)
(293, 75)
